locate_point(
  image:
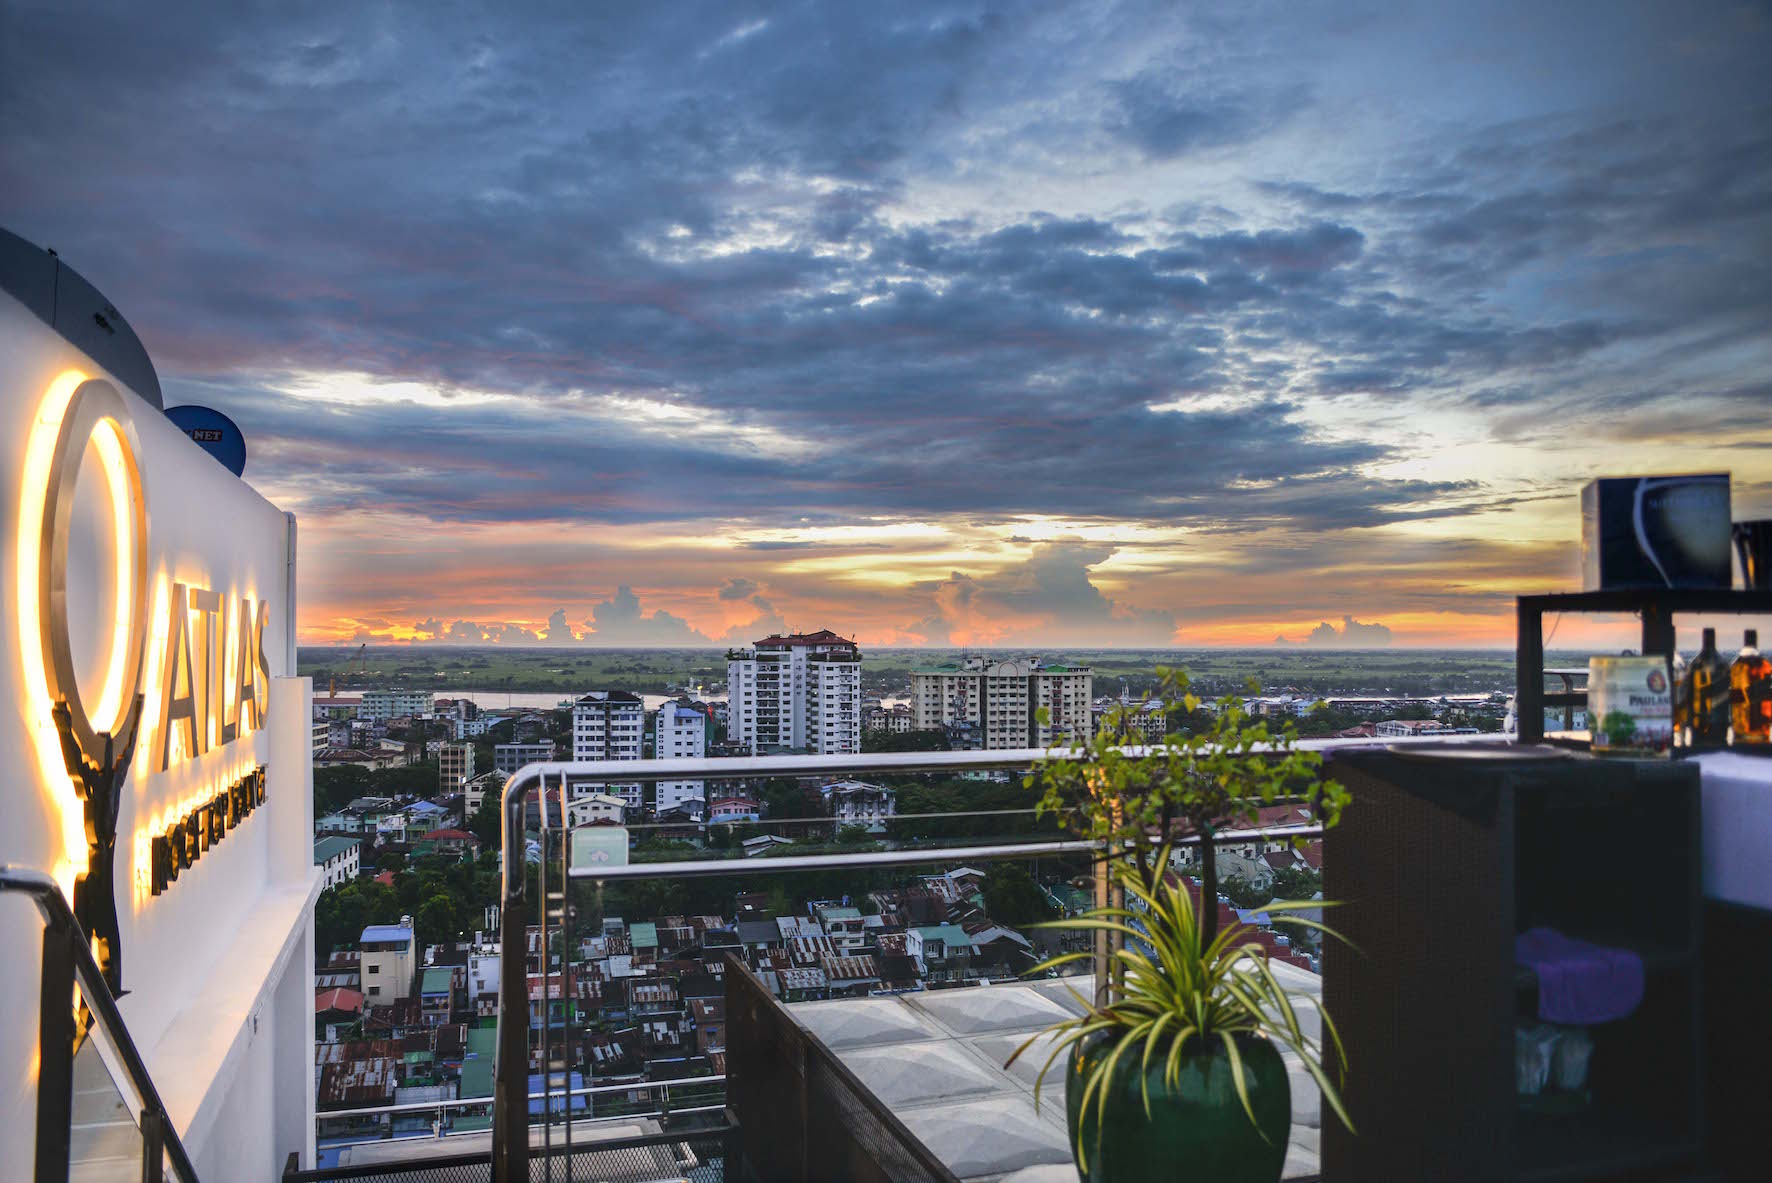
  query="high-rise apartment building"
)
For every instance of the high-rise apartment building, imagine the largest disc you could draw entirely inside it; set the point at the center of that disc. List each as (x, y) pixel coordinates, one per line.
(509, 757)
(680, 732)
(392, 704)
(455, 766)
(1002, 700)
(801, 692)
(609, 725)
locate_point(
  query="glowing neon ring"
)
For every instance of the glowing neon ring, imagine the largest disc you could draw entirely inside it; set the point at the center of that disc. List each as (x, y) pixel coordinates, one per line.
(96, 413)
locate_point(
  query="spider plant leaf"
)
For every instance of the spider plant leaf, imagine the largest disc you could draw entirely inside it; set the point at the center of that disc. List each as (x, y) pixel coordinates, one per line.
(1230, 1047)
(1334, 1035)
(1331, 1094)
(1172, 1064)
(1058, 1049)
(1298, 905)
(1153, 1041)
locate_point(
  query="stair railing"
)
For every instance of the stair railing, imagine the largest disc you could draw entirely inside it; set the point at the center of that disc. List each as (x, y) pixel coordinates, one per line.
(74, 999)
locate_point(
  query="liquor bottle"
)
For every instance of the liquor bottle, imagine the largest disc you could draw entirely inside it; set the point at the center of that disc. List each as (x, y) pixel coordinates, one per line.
(1707, 696)
(1750, 694)
(1682, 684)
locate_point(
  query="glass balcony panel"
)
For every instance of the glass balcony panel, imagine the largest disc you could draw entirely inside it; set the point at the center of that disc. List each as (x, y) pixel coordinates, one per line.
(104, 1143)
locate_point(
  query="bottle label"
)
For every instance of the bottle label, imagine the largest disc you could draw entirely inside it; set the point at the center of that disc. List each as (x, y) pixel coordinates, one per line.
(1629, 705)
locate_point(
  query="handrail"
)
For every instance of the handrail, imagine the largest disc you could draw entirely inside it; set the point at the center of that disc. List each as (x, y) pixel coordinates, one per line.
(641, 1086)
(912, 857)
(510, 1121)
(73, 962)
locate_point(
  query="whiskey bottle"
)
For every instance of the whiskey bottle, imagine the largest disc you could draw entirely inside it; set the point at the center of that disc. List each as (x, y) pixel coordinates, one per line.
(1750, 695)
(1707, 696)
(1682, 696)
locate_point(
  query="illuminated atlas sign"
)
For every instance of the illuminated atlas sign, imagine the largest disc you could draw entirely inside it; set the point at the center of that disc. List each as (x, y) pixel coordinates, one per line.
(201, 699)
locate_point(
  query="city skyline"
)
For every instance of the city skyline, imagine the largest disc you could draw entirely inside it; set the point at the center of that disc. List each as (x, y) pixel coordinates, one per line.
(1106, 325)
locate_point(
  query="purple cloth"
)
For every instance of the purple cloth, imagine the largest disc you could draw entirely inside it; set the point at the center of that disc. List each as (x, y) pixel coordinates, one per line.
(1579, 983)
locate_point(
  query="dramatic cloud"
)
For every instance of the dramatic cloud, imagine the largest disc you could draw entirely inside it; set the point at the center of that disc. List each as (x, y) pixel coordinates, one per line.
(1049, 599)
(1061, 322)
(1352, 634)
(738, 589)
(620, 621)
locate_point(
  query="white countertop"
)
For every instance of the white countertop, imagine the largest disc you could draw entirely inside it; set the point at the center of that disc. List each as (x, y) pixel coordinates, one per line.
(1737, 828)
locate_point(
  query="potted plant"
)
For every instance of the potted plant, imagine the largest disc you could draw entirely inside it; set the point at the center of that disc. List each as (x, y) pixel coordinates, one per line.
(1174, 1071)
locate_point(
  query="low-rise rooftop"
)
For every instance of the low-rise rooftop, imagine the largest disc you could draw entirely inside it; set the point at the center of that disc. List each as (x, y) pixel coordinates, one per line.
(327, 849)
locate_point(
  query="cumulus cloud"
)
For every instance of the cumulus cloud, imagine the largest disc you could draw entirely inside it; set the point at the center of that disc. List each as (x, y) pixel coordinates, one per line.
(558, 631)
(1353, 634)
(738, 588)
(620, 620)
(1049, 598)
(766, 622)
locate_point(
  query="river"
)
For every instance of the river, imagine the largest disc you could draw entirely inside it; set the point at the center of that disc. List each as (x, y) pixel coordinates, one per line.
(496, 700)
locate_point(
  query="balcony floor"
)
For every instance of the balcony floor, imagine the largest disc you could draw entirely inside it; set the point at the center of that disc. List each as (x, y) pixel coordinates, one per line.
(936, 1060)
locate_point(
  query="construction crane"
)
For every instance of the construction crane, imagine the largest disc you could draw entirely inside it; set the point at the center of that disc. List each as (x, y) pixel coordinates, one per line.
(359, 664)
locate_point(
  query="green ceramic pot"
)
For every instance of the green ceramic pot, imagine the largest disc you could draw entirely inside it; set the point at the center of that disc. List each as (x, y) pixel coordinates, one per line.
(1198, 1131)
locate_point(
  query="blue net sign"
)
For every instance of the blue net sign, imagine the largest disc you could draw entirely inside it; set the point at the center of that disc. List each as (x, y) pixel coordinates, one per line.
(214, 432)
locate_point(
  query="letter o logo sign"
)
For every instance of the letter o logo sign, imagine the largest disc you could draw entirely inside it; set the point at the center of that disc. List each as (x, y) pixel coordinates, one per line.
(96, 415)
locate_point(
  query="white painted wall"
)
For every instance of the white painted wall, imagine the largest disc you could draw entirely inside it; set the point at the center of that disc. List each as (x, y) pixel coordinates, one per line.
(218, 969)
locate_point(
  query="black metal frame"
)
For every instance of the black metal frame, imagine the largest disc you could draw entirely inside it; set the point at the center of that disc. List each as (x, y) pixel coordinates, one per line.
(67, 962)
(1657, 608)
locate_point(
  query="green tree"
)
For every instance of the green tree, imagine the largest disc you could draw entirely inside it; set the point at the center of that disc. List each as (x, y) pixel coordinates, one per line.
(1242, 893)
(904, 741)
(1012, 897)
(1297, 883)
(420, 779)
(784, 798)
(780, 902)
(342, 913)
(337, 785)
(1216, 778)
(437, 919)
(486, 824)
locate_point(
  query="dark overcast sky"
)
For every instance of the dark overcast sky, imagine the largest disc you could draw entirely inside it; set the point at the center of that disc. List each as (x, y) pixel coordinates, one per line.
(1029, 324)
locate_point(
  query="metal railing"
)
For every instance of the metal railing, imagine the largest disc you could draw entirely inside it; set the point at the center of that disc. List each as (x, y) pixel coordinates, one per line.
(704, 1152)
(68, 965)
(511, 1119)
(662, 1109)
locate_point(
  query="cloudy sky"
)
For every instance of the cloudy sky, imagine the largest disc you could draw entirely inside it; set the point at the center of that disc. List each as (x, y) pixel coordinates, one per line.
(1027, 324)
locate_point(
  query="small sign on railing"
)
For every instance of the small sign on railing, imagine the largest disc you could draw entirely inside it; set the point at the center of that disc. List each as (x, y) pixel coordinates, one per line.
(597, 848)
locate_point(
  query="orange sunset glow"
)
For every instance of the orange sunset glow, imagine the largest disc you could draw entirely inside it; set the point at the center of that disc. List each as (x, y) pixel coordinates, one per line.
(960, 329)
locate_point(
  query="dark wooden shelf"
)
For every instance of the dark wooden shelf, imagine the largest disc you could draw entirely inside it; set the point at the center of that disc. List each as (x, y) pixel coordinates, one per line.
(1442, 865)
(1656, 606)
(1597, 1144)
(1674, 599)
